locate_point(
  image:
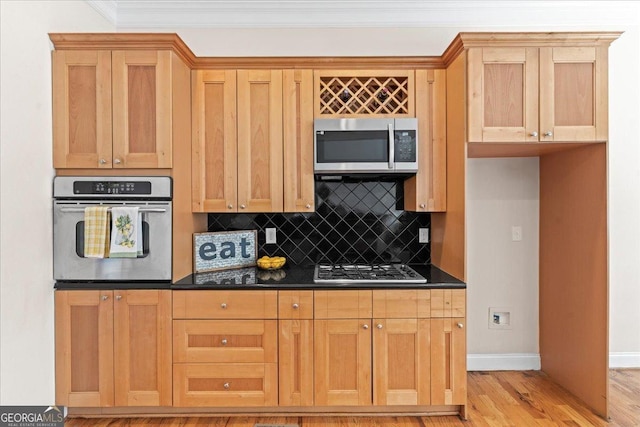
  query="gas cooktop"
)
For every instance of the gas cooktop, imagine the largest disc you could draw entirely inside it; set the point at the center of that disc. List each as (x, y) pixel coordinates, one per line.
(363, 273)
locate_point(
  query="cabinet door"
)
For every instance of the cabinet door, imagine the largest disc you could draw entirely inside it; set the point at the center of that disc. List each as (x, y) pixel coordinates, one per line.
(448, 362)
(214, 155)
(573, 94)
(299, 191)
(142, 348)
(502, 94)
(141, 109)
(401, 362)
(427, 190)
(260, 187)
(84, 348)
(81, 109)
(342, 362)
(295, 359)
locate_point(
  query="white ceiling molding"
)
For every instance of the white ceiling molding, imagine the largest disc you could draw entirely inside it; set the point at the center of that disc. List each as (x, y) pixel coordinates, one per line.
(167, 14)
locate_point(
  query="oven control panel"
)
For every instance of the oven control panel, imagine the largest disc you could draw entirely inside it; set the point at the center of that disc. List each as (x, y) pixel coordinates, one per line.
(112, 187)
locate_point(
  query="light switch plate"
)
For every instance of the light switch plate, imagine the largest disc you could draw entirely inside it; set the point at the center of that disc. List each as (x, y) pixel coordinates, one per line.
(423, 235)
(270, 235)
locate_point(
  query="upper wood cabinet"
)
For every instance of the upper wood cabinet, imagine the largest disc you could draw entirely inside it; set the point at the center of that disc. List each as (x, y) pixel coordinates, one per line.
(427, 190)
(531, 94)
(242, 121)
(113, 348)
(112, 109)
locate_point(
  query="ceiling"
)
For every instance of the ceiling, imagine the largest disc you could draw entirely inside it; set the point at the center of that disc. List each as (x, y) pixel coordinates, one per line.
(172, 14)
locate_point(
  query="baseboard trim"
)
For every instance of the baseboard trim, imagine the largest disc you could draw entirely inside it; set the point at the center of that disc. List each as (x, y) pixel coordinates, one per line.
(503, 362)
(624, 360)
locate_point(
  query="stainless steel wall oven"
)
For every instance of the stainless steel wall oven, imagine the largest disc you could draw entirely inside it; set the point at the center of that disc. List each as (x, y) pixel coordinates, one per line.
(151, 195)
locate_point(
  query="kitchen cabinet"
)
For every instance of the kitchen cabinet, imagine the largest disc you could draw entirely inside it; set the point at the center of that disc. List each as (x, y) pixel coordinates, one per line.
(242, 121)
(113, 348)
(448, 347)
(112, 109)
(537, 94)
(401, 347)
(295, 348)
(342, 347)
(225, 346)
(426, 191)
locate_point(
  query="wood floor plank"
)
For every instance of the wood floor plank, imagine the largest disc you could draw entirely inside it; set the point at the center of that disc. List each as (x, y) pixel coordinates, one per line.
(500, 399)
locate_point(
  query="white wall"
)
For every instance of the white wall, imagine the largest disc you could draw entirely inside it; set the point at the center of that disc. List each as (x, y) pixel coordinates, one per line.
(26, 286)
(26, 295)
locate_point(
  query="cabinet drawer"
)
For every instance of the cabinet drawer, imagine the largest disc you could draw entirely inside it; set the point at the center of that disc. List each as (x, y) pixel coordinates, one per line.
(220, 341)
(342, 304)
(225, 384)
(295, 305)
(402, 303)
(448, 302)
(225, 304)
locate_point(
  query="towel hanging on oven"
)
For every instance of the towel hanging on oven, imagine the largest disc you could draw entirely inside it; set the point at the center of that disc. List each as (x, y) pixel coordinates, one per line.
(96, 232)
(125, 237)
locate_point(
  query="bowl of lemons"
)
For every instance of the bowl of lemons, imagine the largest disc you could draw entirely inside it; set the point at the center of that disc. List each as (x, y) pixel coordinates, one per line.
(271, 262)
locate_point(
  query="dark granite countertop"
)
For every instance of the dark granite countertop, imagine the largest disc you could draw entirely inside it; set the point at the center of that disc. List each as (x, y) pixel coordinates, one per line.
(299, 277)
(289, 277)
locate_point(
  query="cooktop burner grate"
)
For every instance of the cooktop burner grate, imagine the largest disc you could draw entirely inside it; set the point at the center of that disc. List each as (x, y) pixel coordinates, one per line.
(364, 273)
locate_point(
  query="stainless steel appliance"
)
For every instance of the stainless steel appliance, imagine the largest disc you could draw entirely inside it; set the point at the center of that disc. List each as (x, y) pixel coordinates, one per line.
(152, 196)
(356, 146)
(366, 274)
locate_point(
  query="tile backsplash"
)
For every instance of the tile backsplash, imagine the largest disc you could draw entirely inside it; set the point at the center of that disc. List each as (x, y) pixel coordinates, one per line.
(354, 221)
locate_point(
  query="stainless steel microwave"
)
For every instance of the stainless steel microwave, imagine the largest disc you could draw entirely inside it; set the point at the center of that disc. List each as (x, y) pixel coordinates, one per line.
(358, 146)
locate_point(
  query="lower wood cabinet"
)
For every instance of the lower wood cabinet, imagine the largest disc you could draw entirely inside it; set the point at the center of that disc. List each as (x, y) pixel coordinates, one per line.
(448, 361)
(113, 348)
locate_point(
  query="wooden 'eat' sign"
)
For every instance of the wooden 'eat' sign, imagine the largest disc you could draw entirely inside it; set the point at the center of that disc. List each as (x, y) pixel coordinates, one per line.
(223, 250)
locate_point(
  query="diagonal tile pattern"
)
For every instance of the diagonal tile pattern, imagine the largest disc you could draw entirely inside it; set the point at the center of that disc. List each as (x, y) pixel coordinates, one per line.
(355, 222)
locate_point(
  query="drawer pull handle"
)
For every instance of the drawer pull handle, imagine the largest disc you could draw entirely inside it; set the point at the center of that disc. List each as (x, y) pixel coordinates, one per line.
(226, 386)
(224, 341)
(460, 325)
(365, 326)
(118, 297)
(295, 306)
(223, 305)
(379, 326)
(104, 297)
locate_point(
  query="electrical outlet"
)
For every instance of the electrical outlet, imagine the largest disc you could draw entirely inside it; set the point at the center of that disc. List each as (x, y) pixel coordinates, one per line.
(270, 235)
(499, 318)
(516, 233)
(423, 235)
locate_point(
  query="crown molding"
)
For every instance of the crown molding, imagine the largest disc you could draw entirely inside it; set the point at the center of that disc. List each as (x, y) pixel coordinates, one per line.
(167, 14)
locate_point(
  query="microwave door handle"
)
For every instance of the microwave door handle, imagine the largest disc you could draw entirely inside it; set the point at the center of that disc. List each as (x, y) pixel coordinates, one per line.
(392, 148)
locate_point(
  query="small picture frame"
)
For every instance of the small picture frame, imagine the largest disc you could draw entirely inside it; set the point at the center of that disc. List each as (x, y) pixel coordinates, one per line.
(223, 250)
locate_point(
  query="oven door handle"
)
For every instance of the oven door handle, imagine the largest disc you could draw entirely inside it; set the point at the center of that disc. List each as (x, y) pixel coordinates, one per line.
(145, 210)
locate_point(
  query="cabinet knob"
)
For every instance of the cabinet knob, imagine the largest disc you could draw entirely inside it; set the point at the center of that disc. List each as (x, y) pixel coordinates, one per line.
(534, 133)
(365, 326)
(460, 325)
(226, 386)
(103, 162)
(230, 206)
(242, 206)
(548, 133)
(295, 306)
(223, 305)
(308, 206)
(379, 326)
(118, 297)
(105, 297)
(224, 341)
(422, 205)
(117, 161)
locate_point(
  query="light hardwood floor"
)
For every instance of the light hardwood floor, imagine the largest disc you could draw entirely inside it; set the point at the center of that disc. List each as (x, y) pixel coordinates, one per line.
(505, 398)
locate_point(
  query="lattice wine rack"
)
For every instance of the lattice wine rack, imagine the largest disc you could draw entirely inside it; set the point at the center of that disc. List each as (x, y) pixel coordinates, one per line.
(368, 94)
